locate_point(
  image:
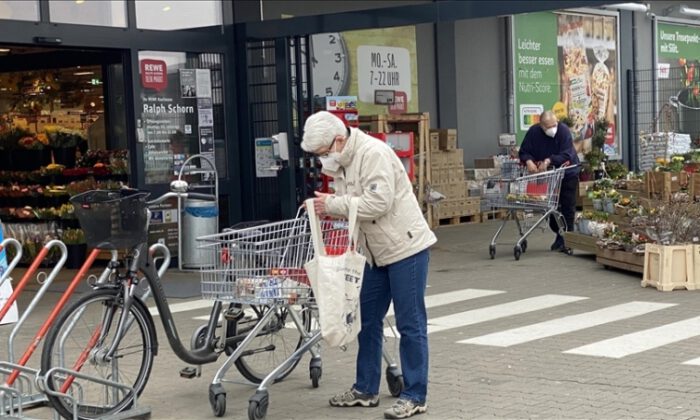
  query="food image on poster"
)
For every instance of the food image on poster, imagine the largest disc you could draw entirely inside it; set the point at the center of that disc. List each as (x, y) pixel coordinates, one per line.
(567, 62)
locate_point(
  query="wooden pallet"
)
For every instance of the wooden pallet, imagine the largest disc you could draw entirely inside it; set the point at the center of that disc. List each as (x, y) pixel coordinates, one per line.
(620, 259)
(459, 220)
(492, 215)
(585, 243)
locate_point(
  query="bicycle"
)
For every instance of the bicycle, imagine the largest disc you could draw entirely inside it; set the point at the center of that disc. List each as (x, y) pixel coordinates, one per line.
(110, 333)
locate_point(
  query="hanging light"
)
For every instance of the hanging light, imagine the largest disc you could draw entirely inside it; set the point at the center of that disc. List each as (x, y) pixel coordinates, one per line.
(689, 11)
(633, 7)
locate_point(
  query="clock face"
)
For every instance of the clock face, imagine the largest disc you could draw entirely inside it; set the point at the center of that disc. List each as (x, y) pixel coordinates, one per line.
(330, 67)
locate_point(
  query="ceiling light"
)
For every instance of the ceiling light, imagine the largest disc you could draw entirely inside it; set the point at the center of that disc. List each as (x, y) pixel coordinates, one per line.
(83, 73)
(685, 10)
(634, 7)
(166, 8)
(79, 1)
(4, 50)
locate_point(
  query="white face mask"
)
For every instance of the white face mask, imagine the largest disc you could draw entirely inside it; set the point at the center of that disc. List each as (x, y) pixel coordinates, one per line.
(330, 161)
(551, 132)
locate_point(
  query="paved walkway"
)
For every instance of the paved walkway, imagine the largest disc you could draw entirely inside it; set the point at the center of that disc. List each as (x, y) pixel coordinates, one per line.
(549, 336)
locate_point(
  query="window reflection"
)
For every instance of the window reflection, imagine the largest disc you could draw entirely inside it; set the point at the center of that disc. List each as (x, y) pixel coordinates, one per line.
(170, 15)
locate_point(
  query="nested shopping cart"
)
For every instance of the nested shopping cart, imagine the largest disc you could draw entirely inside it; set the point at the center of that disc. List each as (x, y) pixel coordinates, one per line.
(263, 266)
(528, 199)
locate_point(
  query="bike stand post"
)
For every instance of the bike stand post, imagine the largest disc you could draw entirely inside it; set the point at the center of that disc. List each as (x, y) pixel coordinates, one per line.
(136, 411)
(10, 394)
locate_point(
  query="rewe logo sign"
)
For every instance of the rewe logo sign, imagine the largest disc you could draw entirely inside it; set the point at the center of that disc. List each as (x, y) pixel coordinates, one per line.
(154, 74)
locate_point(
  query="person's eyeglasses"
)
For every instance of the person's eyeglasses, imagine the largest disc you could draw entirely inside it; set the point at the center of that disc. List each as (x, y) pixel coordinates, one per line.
(330, 147)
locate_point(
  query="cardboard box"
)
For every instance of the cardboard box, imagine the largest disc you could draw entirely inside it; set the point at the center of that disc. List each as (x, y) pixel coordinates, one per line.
(485, 163)
(480, 174)
(447, 138)
(434, 141)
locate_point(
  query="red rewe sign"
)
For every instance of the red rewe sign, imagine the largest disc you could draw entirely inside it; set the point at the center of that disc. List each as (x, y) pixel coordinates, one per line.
(400, 104)
(154, 74)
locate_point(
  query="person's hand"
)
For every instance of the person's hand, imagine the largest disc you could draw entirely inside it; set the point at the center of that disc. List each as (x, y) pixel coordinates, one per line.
(320, 202)
(544, 165)
(531, 167)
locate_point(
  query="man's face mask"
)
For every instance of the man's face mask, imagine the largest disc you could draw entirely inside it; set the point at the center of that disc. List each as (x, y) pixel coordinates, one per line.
(551, 131)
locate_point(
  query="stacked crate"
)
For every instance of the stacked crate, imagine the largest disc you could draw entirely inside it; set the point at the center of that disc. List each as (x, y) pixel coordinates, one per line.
(447, 177)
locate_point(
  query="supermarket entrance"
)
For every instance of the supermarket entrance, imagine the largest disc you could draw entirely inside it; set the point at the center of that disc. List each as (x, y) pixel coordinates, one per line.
(62, 131)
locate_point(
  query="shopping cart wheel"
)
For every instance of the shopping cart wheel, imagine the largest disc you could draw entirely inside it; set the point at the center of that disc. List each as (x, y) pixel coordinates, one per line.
(517, 251)
(315, 372)
(523, 245)
(394, 379)
(492, 251)
(257, 405)
(569, 251)
(217, 399)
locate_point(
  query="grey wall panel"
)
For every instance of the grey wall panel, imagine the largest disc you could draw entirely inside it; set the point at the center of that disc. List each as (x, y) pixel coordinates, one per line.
(427, 78)
(480, 87)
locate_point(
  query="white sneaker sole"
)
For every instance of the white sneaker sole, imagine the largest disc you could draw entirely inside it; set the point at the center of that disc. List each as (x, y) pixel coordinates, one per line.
(416, 410)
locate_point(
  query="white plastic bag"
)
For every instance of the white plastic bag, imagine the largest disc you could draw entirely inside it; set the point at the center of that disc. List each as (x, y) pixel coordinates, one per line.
(336, 281)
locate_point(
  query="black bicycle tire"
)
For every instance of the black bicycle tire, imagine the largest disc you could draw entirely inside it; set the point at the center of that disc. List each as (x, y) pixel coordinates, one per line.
(251, 375)
(143, 319)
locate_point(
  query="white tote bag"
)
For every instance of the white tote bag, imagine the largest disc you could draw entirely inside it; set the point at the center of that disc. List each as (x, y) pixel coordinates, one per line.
(336, 281)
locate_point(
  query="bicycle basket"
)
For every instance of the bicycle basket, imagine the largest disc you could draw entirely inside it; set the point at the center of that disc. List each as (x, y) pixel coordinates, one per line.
(112, 219)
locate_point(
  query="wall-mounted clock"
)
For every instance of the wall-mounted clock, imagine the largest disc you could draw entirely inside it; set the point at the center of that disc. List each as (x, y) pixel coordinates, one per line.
(330, 65)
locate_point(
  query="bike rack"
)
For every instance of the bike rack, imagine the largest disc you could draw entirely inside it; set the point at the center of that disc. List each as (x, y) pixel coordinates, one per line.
(23, 392)
(18, 256)
(134, 412)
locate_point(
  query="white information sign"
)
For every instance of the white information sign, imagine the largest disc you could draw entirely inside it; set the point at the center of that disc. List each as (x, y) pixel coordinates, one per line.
(382, 68)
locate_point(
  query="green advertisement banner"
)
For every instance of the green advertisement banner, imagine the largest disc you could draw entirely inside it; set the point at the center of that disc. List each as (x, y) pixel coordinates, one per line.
(676, 42)
(536, 68)
(567, 63)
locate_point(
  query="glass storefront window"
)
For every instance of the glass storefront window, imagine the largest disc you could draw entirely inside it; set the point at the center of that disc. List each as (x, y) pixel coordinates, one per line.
(180, 112)
(89, 12)
(19, 10)
(171, 15)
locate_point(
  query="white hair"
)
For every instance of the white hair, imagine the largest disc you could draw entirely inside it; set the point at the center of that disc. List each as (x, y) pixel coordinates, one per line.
(320, 129)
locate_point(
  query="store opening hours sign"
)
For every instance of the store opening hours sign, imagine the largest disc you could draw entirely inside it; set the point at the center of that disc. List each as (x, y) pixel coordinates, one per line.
(382, 68)
(154, 74)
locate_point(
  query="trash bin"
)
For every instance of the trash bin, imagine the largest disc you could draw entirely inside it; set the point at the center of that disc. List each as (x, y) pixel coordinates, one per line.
(200, 217)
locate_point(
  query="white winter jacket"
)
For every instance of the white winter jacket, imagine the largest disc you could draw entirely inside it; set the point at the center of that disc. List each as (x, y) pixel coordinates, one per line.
(392, 226)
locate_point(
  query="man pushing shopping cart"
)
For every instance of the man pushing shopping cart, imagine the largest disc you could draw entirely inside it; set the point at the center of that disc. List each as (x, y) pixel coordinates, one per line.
(546, 144)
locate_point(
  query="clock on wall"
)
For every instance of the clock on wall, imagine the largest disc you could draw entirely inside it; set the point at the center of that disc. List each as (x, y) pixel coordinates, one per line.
(330, 65)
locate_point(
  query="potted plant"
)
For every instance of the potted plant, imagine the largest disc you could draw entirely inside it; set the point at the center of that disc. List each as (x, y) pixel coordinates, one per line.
(31, 153)
(596, 156)
(64, 143)
(77, 247)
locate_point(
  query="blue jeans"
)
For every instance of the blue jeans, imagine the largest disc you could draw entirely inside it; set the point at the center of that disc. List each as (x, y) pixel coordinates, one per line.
(403, 282)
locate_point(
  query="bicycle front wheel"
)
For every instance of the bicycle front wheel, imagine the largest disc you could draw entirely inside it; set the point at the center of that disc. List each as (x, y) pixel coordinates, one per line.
(80, 340)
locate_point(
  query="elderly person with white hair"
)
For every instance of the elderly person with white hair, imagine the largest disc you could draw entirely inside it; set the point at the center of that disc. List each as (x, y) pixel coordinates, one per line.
(395, 238)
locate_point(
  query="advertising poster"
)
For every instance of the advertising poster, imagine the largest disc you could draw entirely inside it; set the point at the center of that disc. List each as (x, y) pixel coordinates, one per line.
(678, 65)
(162, 227)
(175, 103)
(567, 63)
(356, 63)
(188, 83)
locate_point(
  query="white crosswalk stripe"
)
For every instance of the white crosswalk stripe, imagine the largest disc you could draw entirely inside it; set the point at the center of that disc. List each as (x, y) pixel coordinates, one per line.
(566, 324)
(490, 313)
(440, 299)
(640, 341)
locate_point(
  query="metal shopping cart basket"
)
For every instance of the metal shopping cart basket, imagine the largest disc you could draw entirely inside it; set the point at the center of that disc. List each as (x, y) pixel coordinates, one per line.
(524, 197)
(264, 265)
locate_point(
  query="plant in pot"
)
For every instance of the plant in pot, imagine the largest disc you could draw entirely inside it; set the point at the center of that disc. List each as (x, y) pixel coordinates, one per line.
(77, 247)
(596, 157)
(64, 143)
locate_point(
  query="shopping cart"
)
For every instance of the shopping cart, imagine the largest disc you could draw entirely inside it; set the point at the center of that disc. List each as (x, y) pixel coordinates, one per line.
(524, 197)
(263, 266)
